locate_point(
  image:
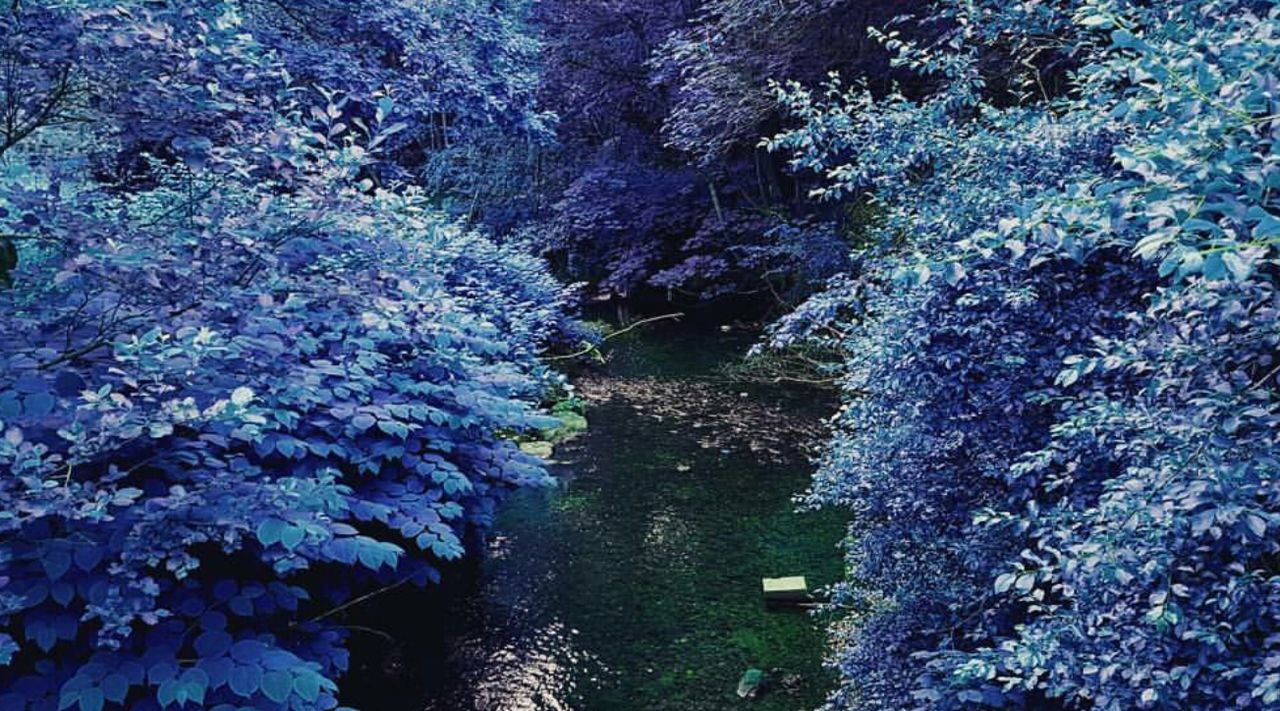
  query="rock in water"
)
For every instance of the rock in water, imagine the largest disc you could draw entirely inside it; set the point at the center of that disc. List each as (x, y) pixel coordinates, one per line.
(785, 590)
(752, 683)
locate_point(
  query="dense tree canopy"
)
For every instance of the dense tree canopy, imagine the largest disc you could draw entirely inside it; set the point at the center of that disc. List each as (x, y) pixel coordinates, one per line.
(661, 108)
(276, 279)
(242, 351)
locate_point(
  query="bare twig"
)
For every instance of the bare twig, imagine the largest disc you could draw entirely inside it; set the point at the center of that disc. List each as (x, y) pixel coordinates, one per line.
(595, 346)
(356, 601)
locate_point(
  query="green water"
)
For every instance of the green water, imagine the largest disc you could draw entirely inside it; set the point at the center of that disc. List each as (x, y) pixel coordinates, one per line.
(635, 584)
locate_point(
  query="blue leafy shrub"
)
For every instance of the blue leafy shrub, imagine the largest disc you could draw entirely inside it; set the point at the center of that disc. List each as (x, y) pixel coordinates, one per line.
(191, 421)
(243, 384)
(1059, 433)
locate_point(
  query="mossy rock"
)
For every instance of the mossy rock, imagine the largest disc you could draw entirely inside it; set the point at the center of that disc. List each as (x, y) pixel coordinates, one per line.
(538, 448)
(573, 422)
(569, 404)
(571, 425)
(752, 683)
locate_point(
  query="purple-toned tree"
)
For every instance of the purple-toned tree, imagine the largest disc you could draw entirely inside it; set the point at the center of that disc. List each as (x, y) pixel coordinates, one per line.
(668, 101)
(249, 373)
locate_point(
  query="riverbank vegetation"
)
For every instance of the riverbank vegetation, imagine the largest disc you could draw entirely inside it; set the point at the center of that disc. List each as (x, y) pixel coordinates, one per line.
(283, 286)
(247, 380)
(1059, 435)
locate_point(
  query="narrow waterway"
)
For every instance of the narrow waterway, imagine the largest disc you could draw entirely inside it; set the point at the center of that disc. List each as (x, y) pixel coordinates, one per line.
(635, 583)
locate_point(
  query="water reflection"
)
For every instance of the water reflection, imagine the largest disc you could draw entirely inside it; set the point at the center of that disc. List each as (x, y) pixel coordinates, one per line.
(635, 585)
(668, 538)
(533, 672)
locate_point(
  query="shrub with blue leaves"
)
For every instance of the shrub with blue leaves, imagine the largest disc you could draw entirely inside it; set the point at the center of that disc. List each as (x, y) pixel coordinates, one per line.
(346, 406)
(245, 379)
(1059, 436)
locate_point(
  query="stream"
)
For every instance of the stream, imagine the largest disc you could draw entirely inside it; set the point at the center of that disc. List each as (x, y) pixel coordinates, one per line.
(635, 582)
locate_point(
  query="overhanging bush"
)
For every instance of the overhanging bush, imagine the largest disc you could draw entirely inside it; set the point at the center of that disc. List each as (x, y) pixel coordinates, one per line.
(246, 378)
(1060, 436)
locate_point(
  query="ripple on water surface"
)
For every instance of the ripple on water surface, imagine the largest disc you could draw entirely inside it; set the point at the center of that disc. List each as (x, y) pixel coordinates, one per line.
(635, 583)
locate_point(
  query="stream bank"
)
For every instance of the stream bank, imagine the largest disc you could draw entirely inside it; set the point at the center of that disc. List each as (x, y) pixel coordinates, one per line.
(635, 583)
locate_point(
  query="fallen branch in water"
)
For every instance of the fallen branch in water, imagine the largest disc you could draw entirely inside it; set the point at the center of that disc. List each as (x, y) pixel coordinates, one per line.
(588, 348)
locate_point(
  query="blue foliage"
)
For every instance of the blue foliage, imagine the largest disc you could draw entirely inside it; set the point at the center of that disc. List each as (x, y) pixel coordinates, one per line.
(1059, 435)
(247, 377)
(256, 366)
(657, 184)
